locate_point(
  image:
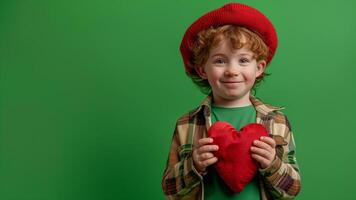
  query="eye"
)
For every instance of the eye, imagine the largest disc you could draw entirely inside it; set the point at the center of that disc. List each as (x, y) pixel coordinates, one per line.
(219, 61)
(244, 60)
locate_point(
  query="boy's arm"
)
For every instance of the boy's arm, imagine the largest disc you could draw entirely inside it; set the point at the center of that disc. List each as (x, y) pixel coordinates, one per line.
(180, 178)
(282, 177)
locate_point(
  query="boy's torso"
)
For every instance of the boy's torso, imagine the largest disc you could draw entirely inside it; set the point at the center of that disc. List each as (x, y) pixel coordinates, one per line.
(194, 125)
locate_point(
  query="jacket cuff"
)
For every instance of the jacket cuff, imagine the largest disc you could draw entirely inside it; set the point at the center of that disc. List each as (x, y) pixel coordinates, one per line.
(273, 168)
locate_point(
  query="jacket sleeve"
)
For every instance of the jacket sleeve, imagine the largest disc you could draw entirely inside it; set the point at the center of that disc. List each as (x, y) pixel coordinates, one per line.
(180, 178)
(282, 178)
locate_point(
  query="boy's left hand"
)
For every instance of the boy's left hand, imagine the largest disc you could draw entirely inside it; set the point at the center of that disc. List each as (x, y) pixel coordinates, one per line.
(264, 151)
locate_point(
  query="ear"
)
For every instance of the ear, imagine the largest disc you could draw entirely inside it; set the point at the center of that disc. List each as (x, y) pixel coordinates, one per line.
(201, 72)
(261, 66)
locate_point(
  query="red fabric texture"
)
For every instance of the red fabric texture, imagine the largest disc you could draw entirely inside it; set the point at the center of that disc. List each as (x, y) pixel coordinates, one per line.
(235, 14)
(235, 164)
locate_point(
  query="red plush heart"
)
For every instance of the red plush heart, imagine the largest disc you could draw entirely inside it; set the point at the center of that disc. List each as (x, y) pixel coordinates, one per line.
(235, 164)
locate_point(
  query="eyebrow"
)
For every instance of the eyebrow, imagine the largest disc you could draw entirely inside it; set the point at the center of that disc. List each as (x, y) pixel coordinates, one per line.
(218, 54)
(248, 54)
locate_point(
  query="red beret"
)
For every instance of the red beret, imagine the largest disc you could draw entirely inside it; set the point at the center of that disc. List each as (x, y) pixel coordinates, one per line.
(234, 14)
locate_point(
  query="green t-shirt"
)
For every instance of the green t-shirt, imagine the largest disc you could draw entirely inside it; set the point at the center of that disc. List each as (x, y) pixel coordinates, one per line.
(215, 187)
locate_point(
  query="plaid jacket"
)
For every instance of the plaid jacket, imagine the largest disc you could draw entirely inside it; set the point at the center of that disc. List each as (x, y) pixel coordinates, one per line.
(279, 181)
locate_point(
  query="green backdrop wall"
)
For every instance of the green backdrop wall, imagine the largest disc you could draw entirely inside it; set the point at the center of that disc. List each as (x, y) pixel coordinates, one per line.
(91, 90)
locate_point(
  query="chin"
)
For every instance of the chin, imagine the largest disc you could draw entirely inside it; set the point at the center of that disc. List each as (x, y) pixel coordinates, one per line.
(234, 96)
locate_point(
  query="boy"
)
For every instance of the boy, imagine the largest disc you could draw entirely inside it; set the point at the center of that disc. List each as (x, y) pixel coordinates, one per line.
(225, 52)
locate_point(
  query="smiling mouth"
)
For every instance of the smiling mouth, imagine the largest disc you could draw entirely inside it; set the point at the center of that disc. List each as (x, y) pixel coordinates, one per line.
(232, 81)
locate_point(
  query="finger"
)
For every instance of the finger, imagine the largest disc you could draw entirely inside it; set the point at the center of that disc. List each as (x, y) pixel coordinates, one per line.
(262, 145)
(208, 162)
(206, 156)
(263, 161)
(270, 141)
(205, 141)
(207, 148)
(262, 152)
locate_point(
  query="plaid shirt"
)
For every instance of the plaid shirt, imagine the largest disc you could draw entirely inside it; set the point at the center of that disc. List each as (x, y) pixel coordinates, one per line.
(280, 180)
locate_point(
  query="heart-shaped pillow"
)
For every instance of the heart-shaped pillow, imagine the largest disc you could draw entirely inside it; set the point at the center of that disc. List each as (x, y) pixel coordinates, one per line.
(235, 164)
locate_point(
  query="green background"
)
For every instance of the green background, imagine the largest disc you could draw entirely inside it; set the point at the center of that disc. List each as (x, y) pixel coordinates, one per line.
(90, 92)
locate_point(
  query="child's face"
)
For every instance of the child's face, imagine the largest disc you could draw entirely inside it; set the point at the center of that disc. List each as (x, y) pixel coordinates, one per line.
(231, 73)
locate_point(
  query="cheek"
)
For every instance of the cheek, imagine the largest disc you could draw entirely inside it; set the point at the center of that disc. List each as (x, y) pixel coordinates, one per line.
(215, 75)
(250, 77)
(252, 74)
(252, 80)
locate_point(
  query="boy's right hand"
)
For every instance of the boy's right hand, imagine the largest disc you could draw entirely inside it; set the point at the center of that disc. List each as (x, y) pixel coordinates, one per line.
(202, 154)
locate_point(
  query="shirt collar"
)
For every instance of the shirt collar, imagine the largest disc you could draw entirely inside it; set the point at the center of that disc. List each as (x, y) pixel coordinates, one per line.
(260, 107)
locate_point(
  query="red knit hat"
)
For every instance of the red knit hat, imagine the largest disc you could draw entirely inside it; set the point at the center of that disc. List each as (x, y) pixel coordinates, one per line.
(235, 14)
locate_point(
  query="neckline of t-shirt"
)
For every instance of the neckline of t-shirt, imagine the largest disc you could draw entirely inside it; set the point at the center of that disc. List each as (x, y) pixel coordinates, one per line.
(231, 108)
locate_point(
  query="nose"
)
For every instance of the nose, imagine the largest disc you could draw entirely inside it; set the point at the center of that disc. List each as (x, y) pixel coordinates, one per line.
(231, 71)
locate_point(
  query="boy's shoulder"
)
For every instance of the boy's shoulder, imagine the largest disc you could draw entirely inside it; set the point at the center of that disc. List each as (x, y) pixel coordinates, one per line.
(267, 109)
(270, 112)
(196, 114)
(279, 116)
(188, 117)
